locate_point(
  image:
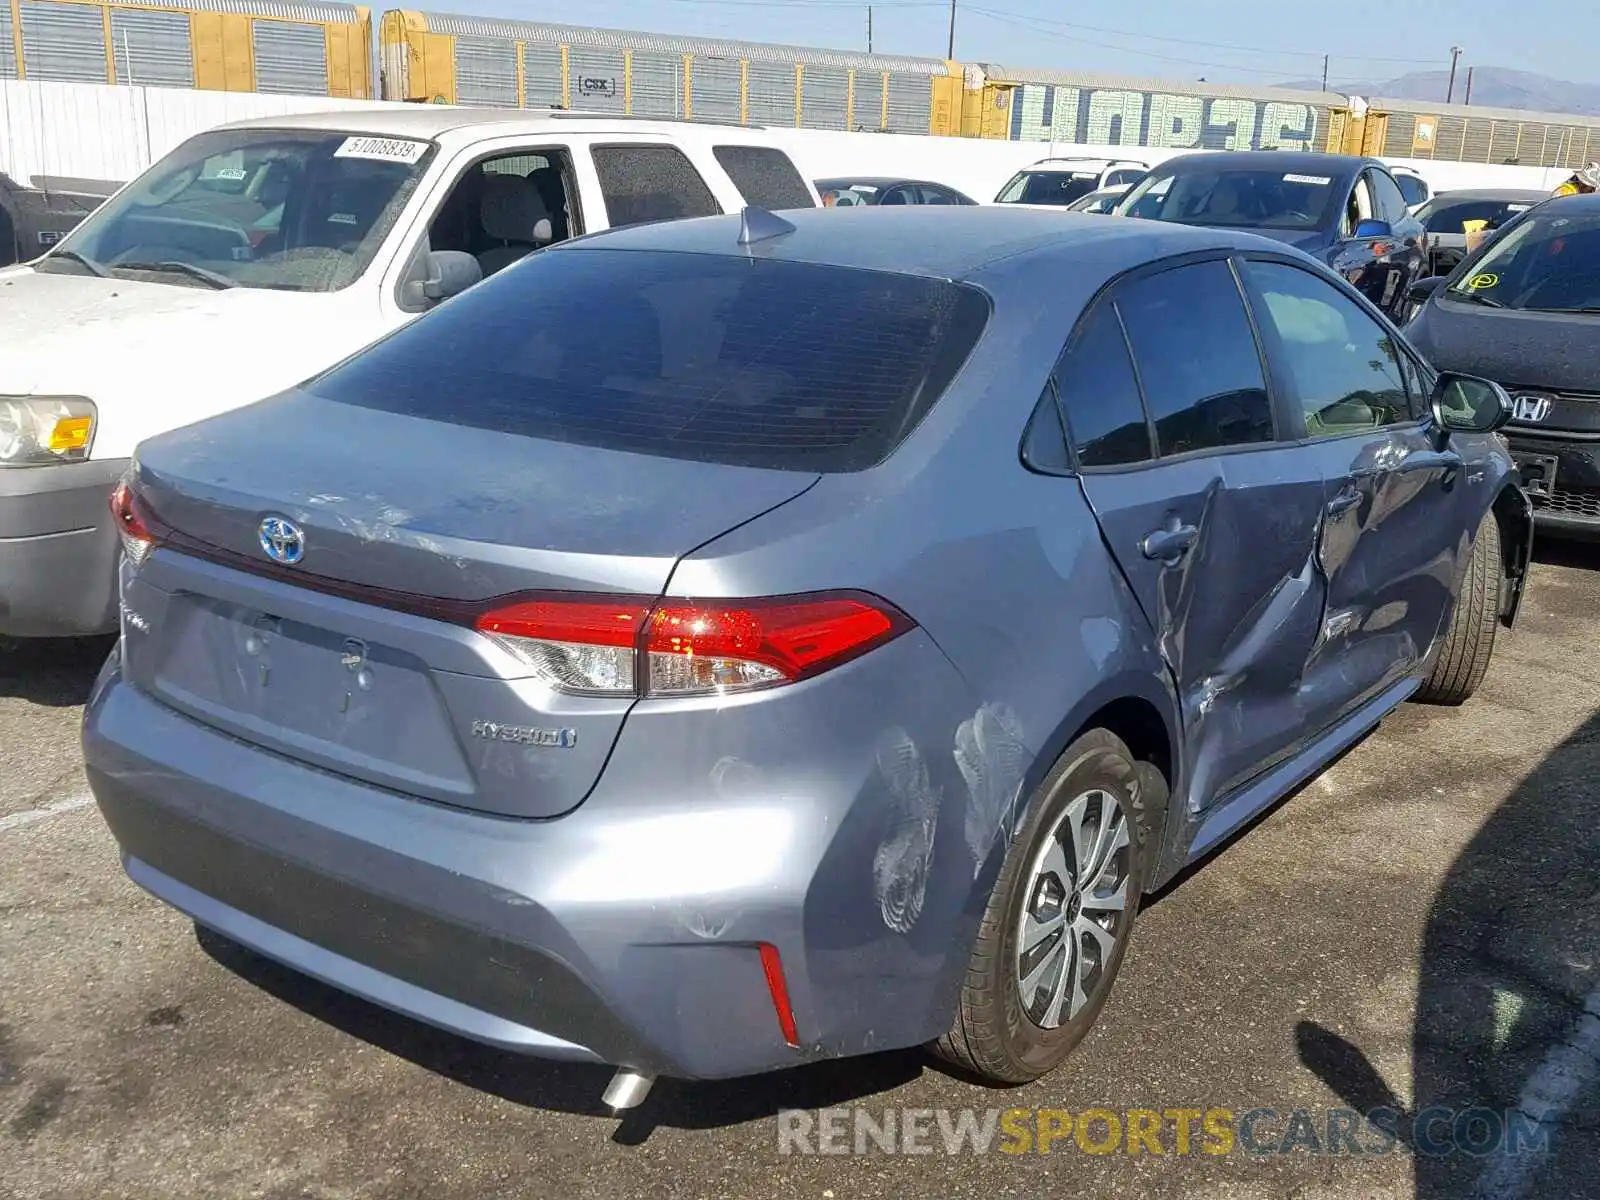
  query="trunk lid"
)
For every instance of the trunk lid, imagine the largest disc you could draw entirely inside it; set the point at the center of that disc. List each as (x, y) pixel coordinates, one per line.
(359, 658)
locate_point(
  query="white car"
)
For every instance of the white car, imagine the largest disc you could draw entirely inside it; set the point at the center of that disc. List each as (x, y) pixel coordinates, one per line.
(258, 254)
(1058, 182)
(1416, 190)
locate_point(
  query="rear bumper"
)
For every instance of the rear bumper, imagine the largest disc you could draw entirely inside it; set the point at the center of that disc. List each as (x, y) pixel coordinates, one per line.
(58, 550)
(626, 932)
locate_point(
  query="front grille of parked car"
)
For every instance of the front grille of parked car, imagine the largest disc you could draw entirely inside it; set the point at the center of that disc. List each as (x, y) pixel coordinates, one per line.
(1571, 504)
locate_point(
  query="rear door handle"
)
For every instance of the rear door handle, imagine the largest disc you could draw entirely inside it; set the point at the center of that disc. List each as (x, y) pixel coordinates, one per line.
(1169, 544)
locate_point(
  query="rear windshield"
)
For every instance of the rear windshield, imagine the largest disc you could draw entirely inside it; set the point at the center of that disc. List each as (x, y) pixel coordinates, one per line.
(1250, 198)
(747, 362)
(1048, 187)
(1451, 216)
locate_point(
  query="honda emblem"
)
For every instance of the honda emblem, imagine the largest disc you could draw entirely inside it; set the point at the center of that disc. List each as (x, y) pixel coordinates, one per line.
(1530, 409)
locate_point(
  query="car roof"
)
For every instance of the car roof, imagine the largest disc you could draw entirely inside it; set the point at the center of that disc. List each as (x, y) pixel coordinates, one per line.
(1587, 203)
(877, 181)
(1298, 161)
(431, 121)
(954, 242)
(1078, 164)
(1517, 194)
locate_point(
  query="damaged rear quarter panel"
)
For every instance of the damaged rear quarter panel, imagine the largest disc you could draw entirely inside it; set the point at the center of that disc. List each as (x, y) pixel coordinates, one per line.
(1024, 630)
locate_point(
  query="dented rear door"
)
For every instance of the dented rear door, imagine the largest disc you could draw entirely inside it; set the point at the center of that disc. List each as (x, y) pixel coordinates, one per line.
(1212, 519)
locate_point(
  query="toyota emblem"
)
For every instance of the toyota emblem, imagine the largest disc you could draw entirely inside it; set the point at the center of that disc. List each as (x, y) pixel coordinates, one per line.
(282, 540)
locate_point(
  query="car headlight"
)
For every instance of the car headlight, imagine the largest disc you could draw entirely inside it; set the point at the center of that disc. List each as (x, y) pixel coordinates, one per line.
(39, 430)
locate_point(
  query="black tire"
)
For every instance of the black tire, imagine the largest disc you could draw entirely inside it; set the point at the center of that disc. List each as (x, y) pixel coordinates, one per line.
(1464, 650)
(992, 1035)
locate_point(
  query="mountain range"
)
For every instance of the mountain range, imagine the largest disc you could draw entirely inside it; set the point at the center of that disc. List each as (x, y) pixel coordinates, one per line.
(1492, 87)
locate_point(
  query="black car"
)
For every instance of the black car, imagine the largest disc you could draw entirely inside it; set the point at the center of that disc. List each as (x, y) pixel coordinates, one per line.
(1347, 211)
(849, 190)
(1524, 310)
(1445, 219)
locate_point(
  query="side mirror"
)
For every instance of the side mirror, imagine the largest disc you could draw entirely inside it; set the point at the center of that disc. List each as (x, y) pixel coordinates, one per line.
(1469, 404)
(439, 275)
(1420, 291)
(1374, 228)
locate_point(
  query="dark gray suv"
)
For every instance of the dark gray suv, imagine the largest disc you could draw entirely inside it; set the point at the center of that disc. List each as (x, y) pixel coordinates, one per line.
(712, 646)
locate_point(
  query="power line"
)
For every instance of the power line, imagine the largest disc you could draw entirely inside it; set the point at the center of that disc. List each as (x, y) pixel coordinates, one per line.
(1006, 14)
(1041, 25)
(1277, 73)
(813, 4)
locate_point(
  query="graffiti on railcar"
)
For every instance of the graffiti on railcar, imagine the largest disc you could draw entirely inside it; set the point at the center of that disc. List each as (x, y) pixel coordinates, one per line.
(1115, 117)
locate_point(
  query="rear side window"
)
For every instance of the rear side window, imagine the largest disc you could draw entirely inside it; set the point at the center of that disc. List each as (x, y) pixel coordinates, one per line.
(1101, 395)
(651, 183)
(747, 362)
(765, 176)
(1197, 358)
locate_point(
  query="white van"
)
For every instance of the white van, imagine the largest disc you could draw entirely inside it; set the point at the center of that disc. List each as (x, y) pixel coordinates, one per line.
(259, 253)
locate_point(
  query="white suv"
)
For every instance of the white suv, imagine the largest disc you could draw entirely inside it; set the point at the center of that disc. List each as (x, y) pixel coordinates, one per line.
(258, 254)
(1058, 182)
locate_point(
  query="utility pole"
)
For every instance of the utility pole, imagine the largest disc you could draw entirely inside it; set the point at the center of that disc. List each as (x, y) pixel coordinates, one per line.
(869, 29)
(951, 53)
(1468, 99)
(1450, 92)
(1324, 72)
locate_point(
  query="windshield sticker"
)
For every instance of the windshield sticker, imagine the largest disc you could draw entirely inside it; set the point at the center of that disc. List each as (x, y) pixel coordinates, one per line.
(343, 219)
(382, 149)
(1084, 175)
(1319, 180)
(230, 173)
(1484, 281)
(864, 188)
(1518, 207)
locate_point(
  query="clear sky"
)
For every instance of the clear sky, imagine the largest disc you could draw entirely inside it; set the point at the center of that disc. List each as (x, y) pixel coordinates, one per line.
(1235, 41)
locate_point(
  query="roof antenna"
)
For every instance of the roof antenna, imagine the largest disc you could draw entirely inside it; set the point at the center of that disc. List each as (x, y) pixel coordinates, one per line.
(758, 225)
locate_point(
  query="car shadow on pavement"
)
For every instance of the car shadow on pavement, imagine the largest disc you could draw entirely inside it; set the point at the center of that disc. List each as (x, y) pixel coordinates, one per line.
(57, 672)
(1584, 554)
(567, 1087)
(1508, 1007)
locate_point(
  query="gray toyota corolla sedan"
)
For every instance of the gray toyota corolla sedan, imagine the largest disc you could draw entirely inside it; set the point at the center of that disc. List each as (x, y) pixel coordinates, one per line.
(712, 646)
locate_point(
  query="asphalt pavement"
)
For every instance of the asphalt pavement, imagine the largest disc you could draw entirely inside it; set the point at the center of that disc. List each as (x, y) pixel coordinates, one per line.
(1413, 935)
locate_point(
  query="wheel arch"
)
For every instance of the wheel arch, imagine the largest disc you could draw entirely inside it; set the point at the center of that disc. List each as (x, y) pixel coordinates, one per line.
(1140, 709)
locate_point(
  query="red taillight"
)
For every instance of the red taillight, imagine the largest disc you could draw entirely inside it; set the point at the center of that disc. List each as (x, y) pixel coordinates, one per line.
(586, 646)
(772, 965)
(137, 537)
(596, 645)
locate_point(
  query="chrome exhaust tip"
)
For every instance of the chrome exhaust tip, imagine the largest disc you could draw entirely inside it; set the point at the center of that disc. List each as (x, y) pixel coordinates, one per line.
(626, 1090)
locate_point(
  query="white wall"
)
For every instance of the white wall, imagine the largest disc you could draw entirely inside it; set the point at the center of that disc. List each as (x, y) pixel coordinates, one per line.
(95, 131)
